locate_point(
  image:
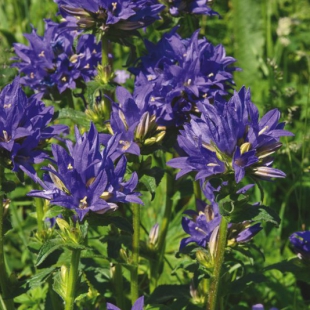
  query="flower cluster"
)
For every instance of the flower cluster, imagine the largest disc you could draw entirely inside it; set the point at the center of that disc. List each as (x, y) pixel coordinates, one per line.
(86, 179)
(301, 243)
(204, 225)
(229, 138)
(23, 127)
(111, 17)
(177, 73)
(176, 7)
(52, 63)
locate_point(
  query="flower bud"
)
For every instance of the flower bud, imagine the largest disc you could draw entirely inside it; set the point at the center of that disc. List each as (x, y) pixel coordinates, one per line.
(204, 259)
(153, 236)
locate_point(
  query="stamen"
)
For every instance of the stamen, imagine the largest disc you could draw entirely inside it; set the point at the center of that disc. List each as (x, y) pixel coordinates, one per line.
(42, 54)
(70, 167)
(200, 230)
(263, 130)
(114, 4)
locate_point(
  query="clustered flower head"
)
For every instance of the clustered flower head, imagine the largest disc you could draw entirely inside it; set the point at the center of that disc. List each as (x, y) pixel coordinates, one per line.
(52, 63)
(229, 138)
(110, 16)
(86, 179)
(300, 241)
(23, 128)
(177, 73)
(177, 7)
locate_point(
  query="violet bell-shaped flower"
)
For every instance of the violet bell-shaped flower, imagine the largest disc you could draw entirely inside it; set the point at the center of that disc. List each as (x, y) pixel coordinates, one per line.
(229, 138)
(138, 305)
(135, 122)
(113, 17)
(177, 73)
(24, 128)
(85, 179)
(300, 241)
(202, 7)
(52, 63)
(261, 307)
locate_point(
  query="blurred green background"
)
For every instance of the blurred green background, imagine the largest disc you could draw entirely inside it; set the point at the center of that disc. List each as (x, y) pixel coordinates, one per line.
(271, 41)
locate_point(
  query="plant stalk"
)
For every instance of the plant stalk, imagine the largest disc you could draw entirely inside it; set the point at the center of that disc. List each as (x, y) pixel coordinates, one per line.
(214, 301)
(135, 253)
(72, 279)
(4, 279)
(159, 260)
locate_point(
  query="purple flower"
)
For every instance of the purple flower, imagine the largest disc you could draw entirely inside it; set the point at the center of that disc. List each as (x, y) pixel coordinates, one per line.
(52, 63)
(111, 17)
(261, 307)
(85, 179)
(177, 7)
(23, 126)
(138, 305)
(301, 243)
(134, 122)
(177, 73)
(229, 138)
(203, 227)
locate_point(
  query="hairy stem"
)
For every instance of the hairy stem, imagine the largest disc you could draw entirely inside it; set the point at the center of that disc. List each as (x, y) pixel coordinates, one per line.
(214, 301)
(72, 279)
(135, 253)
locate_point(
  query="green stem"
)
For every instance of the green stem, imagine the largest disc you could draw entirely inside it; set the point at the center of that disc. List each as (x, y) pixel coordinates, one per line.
(197, 190)
(214, 301)
(118, 284)
(72, 279)
(159, 259)
(4, 279)
(135, 253)
(39, 203)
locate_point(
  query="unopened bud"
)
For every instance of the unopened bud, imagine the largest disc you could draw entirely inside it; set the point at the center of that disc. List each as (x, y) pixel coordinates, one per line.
(204, 259)
(213, 242)
(245, 147)
(153, 235)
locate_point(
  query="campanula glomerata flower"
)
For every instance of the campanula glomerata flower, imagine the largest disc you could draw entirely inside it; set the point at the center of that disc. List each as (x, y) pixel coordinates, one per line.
(300, 241)
(24, 128)
(177, 73)
(138, 305)
(109, 16)
(51, 63)
(84, 178)
(202, 7)
(229, 138)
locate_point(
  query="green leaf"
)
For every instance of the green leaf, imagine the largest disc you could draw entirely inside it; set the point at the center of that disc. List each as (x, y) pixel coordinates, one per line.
(76, 117)
(40, 277)
(299, 268)
(8, 186)
(122, 223)
(259, 213)
(239, 285)
(165, 293)
(59, 286)
(150, 184)
(53, 212)
(47, 248)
